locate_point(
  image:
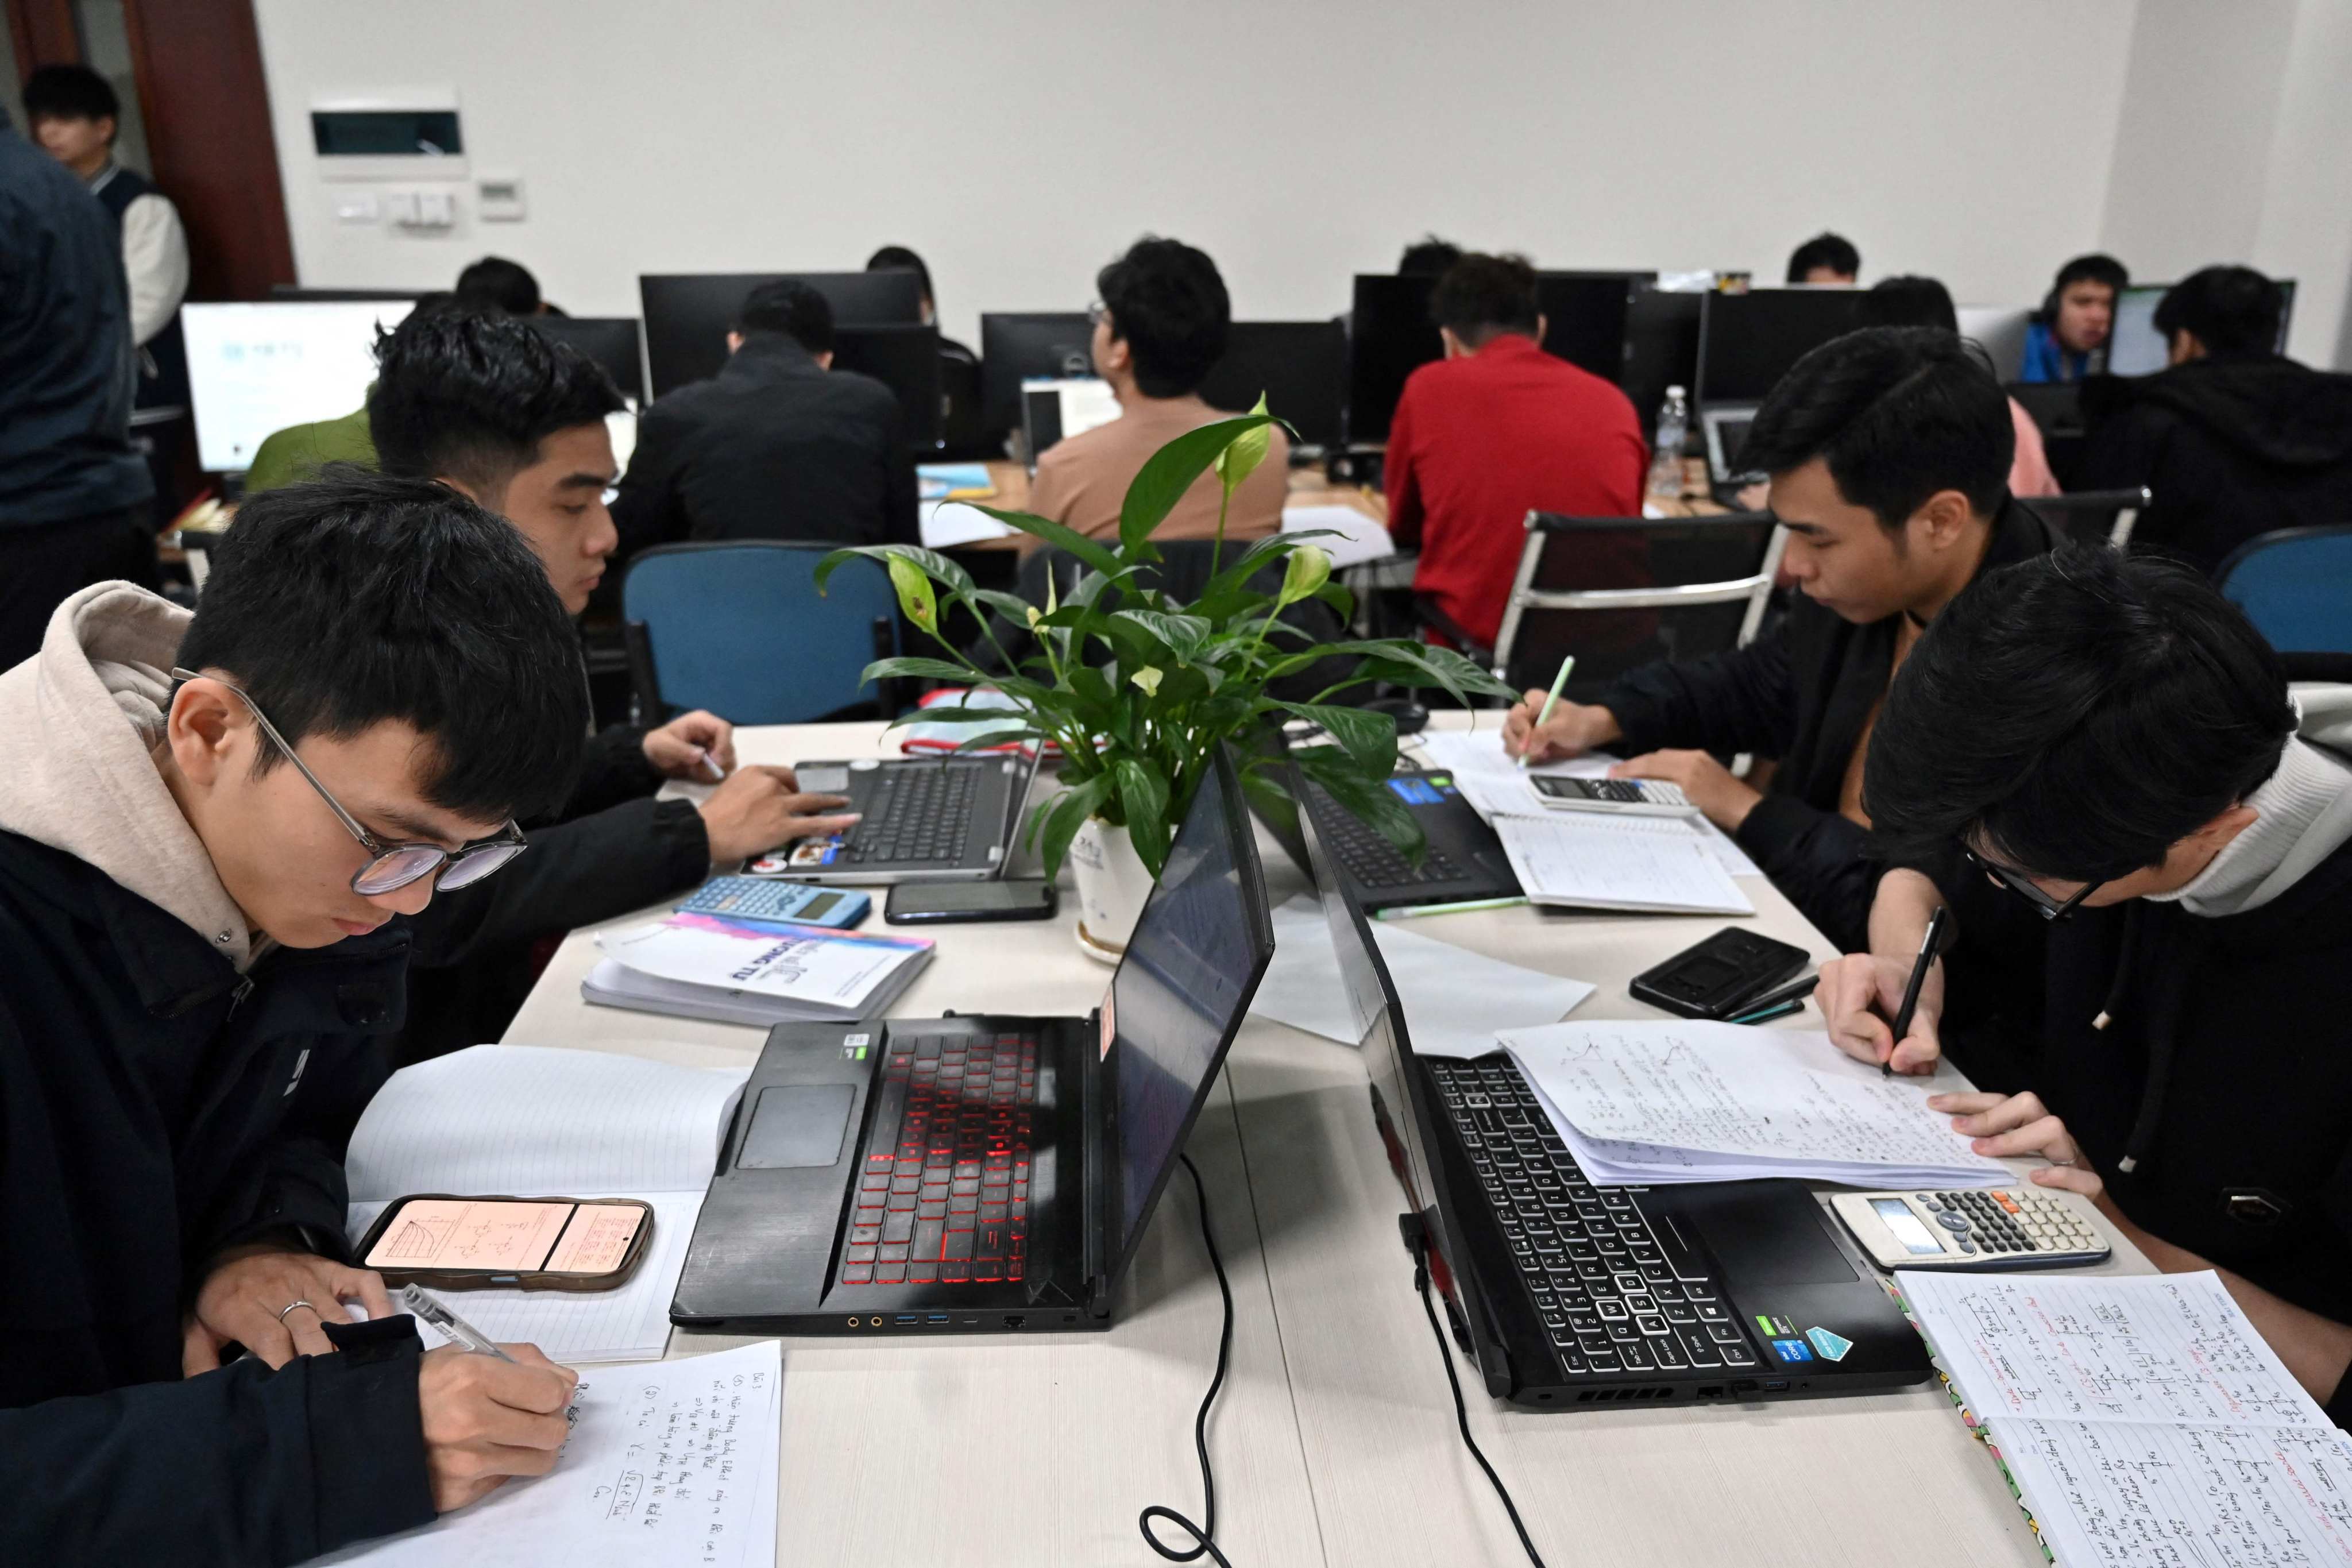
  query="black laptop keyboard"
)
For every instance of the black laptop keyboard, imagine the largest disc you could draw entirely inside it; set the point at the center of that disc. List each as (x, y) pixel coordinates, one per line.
(1615, 1296)
(1371, 859)
(943, 1193)
(918, 816)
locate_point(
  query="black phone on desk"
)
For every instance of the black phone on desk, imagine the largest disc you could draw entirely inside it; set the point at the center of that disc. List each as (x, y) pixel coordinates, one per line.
(1717, 978)
(945, 903)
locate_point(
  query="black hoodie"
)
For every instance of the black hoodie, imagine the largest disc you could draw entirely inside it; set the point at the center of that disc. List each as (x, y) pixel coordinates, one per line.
(2230, 446)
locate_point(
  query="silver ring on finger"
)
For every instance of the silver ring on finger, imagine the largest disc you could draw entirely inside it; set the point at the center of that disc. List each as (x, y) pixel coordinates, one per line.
(2063, 1162)
(290, 1306)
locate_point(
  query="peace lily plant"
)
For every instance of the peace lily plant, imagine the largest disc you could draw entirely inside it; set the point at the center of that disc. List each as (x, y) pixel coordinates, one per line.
(1137, 690)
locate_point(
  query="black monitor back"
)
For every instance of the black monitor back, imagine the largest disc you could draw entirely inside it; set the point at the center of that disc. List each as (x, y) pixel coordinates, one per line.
(907, 360)
(1747, 341)
(334, 296)
(611, 341)
(1015, 347)
(688, 314)
(1300, 367)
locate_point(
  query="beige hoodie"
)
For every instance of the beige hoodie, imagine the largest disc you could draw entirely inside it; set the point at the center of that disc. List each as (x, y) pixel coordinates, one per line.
(81, 722)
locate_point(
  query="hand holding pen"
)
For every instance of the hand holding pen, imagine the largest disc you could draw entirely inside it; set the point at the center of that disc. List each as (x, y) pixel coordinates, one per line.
(487, 1411)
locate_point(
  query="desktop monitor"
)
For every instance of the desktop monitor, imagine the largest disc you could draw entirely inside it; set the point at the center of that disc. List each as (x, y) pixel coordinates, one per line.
(1300, 367)
(611, 341)
(907, 360)
(2000, 330)
(2135, 348)
(254, 369)
(687, 315)
(340, 296)
(1747, 341)
(1035, 346)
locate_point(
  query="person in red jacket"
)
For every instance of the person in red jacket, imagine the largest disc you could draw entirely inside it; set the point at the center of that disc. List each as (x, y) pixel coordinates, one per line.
(1492, 431)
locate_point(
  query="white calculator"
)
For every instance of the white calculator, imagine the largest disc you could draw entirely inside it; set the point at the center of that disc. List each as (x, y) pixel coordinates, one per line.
(1978, 1228)
(1634, 797)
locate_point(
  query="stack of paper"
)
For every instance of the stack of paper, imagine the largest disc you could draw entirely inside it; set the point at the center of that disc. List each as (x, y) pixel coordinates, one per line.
(1361, 538)
(1686, 1102)
(700, 966)
(537, 1122)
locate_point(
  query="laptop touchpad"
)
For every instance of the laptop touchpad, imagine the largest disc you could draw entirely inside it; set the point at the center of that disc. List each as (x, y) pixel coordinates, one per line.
(797, 1125)
(820, 779)
(1771, 1240)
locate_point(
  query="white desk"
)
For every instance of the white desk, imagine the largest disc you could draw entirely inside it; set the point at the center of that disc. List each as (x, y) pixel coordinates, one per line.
(1334, 1439)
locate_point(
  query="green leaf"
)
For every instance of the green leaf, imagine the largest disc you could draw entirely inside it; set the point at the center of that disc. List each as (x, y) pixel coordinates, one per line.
(1337, 596)
(915, 667)
(1242, 456)
(1143, 796)
(937, 567)
(1370, 738)
(1306, 570)
(1368, 800)
(1168, 473)
(915, 595)
(1069, 538)
(1184, 635)
(1061, 819)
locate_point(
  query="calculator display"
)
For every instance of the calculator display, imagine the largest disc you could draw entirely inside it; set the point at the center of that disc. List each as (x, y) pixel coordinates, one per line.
(1896, 1215)
(816, 909)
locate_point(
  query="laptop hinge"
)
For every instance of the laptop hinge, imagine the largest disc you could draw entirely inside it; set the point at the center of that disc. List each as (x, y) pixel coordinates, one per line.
(1096, 1170)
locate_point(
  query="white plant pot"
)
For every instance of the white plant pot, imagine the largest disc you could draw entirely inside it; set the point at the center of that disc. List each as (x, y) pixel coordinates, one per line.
(1112, 886)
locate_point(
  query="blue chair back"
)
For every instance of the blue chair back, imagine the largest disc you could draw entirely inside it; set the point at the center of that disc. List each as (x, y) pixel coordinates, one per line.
(2295, 585)
(740, 628)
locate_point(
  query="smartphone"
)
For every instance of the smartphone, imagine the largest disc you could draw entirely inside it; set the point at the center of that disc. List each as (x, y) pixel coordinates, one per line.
(1711, 980)
(940, 903)
(537, 1244)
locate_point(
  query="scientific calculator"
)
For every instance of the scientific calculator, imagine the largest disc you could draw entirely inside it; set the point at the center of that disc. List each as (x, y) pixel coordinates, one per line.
(762, 901)
(1634, 797)
(1978, 1228)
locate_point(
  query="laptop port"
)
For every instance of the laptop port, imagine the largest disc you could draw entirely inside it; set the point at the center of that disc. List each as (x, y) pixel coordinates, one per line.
(907, 1318)
(1014, 1321)
(1776, 1385)
(939, 1317)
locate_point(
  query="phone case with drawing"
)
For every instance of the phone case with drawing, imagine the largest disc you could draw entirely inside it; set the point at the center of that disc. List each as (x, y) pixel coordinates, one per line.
(436, 1230)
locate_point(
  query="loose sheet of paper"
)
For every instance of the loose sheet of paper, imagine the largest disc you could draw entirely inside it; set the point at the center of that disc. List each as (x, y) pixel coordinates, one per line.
(1731, 1101)
(1589, 860)
(944, 524)
(1361, 538)
(2143, 1418)
(669, 1464)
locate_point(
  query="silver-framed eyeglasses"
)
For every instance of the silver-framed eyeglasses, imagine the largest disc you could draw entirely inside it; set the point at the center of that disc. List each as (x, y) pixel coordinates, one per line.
(390, 866)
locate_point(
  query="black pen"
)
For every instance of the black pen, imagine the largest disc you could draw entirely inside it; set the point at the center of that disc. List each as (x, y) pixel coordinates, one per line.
(1794, 991)
(1928, 947)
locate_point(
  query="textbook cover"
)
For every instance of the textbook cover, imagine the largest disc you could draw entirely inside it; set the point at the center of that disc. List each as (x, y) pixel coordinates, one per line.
(783, 970)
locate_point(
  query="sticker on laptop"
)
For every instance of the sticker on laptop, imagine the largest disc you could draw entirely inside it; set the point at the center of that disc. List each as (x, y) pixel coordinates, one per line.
(1414, 792)
(1775, 1328)
(1792, 1350)
(1831, 1346)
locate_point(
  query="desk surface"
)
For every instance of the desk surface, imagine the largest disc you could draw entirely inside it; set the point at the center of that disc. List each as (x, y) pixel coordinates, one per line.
(1334, 1439)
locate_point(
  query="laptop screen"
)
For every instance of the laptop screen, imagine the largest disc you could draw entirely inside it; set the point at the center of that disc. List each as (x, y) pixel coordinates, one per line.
(1187, 978)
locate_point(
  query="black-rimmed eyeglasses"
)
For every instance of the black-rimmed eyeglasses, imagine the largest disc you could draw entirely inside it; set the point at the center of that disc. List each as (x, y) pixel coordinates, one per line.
(390, 867)
(2024, 886)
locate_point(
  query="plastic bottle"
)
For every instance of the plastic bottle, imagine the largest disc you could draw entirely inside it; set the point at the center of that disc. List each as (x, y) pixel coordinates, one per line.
(1667, 466)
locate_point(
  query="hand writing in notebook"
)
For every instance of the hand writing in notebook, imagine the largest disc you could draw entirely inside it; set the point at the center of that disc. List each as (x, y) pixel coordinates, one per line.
(485, 1420)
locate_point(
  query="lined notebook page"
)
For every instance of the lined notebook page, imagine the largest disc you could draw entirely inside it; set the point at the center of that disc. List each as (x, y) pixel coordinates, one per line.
(537, 1118)
(1598, 860)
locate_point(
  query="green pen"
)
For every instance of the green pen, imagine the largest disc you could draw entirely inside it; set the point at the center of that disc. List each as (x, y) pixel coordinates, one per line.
(1409, 911)
(1551, 702)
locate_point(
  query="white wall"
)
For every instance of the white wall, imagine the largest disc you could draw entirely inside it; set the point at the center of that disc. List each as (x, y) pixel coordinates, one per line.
(1019, 146)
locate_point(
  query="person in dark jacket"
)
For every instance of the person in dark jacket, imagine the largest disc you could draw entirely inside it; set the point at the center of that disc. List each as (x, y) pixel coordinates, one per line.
(73, 493)
(2147, 844)
(204, 958)
(2234, 439)
(492, 408)
(778, 445)
(1888, 451)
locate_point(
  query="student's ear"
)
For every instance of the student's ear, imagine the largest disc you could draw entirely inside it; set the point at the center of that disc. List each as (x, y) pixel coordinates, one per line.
(107, 121)
(461, 486)
(825, 360)
(734, 341)
(2185, 346)
(1453, 349)
(2215, 836)
(1945, 518)
(203, 731)
(1543, 326)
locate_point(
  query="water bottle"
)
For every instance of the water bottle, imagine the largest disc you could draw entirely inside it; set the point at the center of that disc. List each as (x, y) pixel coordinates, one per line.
(1666, 465)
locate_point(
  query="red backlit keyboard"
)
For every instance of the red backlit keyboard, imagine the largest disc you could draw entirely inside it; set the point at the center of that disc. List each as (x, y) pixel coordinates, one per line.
(944, 1194)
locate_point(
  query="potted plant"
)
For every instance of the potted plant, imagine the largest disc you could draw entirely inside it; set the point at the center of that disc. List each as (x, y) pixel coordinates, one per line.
(1136, 689)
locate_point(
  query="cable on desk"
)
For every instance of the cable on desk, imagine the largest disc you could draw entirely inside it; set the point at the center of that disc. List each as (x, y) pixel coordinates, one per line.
(1203, 1535)
(1420, 1244)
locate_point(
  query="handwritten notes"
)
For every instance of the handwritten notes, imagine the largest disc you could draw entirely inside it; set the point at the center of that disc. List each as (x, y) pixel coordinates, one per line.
(2142, 1419)
(670, 1465)
(1599, 861)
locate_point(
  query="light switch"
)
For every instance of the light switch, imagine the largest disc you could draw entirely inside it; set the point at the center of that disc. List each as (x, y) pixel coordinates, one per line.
(436, 209)
(400, 207)
(356, 206)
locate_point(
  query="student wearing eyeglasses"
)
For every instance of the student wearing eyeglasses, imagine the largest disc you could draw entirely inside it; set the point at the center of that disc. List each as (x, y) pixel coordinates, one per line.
(209, 830)
(2146, 846)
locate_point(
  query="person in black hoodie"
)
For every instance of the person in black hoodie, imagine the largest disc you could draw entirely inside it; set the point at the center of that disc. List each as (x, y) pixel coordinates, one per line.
(2235, 440)
(204, 958)
(2146, 844)
(1889, 453)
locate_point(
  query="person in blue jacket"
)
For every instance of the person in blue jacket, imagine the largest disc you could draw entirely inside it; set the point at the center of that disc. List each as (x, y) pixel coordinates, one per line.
(2067, 339)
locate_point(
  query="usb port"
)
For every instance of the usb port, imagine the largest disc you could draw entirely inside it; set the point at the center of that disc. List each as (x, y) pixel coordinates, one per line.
(939, 1317)
(1776, 1385)
(908, 1318)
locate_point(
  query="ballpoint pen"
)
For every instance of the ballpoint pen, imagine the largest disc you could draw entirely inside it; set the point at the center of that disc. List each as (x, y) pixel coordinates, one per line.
(464, 1334)
(1928, 945)
(1550, 702)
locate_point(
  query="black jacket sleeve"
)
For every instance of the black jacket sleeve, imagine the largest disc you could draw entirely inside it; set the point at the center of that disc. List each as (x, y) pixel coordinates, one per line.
(613, 769)
(901, 518)
(1819, 861)
(1743, 701)
(238, 1466)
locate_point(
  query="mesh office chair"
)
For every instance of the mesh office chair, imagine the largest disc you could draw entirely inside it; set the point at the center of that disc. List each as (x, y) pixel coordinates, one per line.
(2295, 585)
(1623, 592)
(2091, 517)
(739, 629)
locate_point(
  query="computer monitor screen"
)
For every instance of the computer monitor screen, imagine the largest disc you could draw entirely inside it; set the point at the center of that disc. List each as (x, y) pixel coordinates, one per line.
(907, 360)
(611, 341)
(1391, 334)
(1747, 341)
(2134, 346)
(1186, 979)
(1054, 345)
(1300, 367)
(340, 296)
(1999, 331)
(255, 368)
(687, 315)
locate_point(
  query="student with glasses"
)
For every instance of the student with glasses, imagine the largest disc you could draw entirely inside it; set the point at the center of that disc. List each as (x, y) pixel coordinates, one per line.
(2147, 846)
(205, 949)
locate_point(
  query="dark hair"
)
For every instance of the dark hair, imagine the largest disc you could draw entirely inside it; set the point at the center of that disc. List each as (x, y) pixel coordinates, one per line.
(2232, 309)
(1481, 296)
(360, 598)
(1907, 302)
(1833, 251)
(70, 92)
(1428, 257)
(1169, 306)
(789, 306)
(2096, 267)
(899, 258)
(2075, 715)
(469, 395)
(496, 283)
(1899, 413)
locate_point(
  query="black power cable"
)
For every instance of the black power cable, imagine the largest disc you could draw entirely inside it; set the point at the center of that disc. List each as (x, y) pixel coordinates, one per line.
(1419, 1242)
(1203, 1535)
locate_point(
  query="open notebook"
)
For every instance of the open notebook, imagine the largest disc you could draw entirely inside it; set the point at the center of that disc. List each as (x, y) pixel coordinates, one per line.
(539, 1121)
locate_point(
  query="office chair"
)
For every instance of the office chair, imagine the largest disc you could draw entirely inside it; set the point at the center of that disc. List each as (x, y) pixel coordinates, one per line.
(2295, 585)
(1623, 592)
(739, 627)
(2091, 517)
